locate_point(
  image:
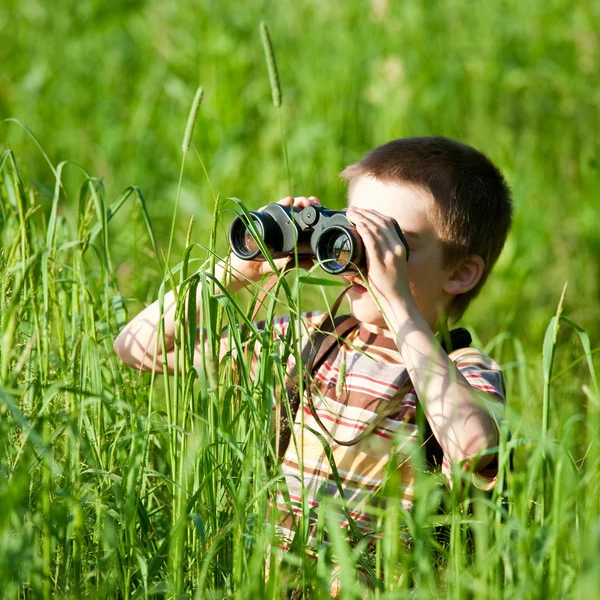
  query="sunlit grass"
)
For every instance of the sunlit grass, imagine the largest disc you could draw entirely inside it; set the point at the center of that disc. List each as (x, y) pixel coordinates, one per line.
(517, 80)
(117, 484)
(121, 484)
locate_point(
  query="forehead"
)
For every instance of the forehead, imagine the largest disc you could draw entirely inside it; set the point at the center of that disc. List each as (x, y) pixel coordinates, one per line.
(410, 206)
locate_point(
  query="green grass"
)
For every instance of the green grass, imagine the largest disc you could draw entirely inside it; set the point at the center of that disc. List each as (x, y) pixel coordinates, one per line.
(117, 484)
(110, 87)
(120, 485)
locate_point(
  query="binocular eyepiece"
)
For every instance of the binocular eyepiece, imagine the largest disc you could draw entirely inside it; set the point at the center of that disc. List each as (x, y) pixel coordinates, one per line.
(314, 231)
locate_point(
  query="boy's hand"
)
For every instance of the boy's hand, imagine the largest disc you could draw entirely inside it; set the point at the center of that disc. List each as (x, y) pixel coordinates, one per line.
(255, 269)
(387, 271)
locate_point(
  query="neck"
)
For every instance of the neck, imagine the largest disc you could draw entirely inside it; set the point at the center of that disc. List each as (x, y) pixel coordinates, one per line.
(436, 326)
(377, 330)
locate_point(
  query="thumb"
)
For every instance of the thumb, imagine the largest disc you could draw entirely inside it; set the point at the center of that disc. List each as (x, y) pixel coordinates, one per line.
(280, 264)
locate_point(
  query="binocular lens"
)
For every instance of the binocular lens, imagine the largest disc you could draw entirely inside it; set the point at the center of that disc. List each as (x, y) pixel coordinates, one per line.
(241, 239)
(248, 242)
(336, 250)
(340, 250)
(244, 244)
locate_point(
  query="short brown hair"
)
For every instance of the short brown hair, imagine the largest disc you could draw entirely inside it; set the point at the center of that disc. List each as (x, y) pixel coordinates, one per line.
(473, 201)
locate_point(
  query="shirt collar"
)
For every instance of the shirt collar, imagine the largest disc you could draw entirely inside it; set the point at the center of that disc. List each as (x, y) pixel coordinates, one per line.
(381, 339)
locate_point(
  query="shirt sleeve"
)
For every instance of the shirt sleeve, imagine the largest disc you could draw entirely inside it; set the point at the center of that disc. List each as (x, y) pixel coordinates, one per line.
(484, 374)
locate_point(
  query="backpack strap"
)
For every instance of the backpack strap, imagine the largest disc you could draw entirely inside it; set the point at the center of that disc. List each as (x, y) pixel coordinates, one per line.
(456, 340)
(315, 351)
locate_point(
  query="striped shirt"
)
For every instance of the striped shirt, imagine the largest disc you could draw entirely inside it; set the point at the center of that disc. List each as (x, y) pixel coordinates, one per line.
(358, 380)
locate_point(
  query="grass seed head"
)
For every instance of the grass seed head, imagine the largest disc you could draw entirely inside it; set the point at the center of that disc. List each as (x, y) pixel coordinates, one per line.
(271, 64)
(191, 122)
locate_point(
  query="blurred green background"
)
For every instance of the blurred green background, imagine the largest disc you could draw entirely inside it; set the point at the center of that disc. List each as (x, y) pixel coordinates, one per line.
(109, 86)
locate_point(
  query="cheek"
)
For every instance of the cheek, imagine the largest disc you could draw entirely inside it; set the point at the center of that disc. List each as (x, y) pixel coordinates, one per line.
(424, 273)
(362, 301)
(423, 289)
(416, 276)
(425, 286)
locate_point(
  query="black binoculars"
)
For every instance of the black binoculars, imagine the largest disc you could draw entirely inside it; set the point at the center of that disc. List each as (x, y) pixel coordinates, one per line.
(314, 231)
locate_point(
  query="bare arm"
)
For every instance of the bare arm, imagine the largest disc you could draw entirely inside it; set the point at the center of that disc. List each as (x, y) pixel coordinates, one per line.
(460, 422)
(136, 345)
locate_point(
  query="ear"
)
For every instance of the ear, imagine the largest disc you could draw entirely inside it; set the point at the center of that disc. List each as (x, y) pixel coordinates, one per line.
(465, 276)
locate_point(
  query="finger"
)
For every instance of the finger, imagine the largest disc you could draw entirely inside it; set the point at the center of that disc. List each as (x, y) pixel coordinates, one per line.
(300, 202)
(357, 214)
(280, 263)
(376, 225)
(386, 225)
(387, 240)
(370, 238)
(287, 201)
(374, 216)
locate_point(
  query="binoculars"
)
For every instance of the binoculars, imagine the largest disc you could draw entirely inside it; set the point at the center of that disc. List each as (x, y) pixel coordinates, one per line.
(315, 231)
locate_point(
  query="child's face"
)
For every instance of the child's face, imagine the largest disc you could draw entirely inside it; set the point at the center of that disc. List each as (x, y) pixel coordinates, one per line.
(413, 210)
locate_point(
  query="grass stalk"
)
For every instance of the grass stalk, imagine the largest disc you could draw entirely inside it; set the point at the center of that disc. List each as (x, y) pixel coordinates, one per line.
(120, 484)
(275, 93)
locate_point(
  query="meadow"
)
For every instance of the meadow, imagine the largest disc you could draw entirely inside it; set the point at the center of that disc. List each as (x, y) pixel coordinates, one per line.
(116, 484)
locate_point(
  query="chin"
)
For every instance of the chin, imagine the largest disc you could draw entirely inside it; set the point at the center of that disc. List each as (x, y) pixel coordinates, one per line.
(364, 310)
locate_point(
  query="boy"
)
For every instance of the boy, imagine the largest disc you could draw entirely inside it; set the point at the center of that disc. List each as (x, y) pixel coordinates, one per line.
(454, 209)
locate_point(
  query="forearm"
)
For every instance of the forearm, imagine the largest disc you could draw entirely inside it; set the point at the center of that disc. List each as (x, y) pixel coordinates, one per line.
(461, 424)
(136, 344)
